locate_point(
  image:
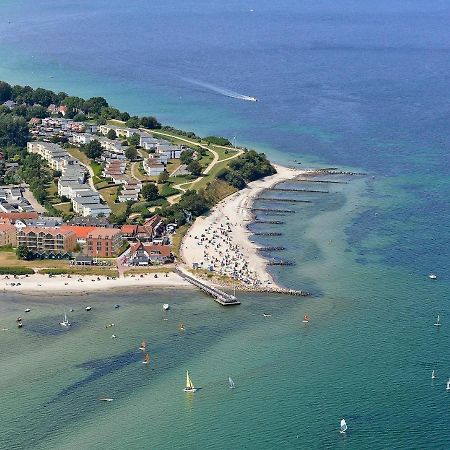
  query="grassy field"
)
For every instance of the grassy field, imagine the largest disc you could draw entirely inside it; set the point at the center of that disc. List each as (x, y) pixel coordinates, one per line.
(145, 270)
(64, 207)
(9, 259)
(177, 239)
(109, 194)
(94, 271)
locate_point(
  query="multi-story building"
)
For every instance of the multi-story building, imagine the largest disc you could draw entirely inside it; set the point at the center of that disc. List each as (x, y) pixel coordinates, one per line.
(104, 242)
(45, 241)
(7, 235)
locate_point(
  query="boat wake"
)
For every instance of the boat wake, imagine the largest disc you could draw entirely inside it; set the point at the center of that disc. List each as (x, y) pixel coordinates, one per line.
(221, 91)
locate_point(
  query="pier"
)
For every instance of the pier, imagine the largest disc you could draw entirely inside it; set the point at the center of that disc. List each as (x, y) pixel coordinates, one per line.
(280, 262)
(270, 249)
(273, 222)
(219, 296)
(302, 180)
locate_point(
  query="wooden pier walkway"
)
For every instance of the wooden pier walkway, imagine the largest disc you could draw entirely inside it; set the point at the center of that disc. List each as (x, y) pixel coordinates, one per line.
(285, 200)
(219, 296)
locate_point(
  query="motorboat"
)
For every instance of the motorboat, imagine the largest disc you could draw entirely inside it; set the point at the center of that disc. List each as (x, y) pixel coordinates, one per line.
(433, 375)
(267, 315)
(448, 385)
(438, 321)
(116, 306)
(27, 310)
(166, 307)
(432, 276)
(106, 399)
(88, 308)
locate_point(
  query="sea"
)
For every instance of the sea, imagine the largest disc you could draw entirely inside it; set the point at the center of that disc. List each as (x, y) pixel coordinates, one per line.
(358, 85)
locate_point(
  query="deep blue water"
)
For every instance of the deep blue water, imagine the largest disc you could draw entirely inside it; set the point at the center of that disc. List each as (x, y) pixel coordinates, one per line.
(352, 84)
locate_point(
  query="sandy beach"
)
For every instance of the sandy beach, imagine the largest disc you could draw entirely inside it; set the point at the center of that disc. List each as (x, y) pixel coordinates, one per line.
(64, 284)
(221, 240)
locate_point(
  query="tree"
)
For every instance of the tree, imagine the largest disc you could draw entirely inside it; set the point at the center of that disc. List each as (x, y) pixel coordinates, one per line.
(22, 252)
(187, 156)
(44, 97)
(5, 91)
(94, 105)
(131, 153)
(150, 192)
(93, 150)
(13, 131)
(79, 117)
(217, 140)
(133, 122)
(163, 177)
(195, 168)
(150, 122)
(134, 139)
(111, 134)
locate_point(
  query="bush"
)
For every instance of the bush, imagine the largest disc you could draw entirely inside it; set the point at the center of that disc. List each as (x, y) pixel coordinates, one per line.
(16, 271)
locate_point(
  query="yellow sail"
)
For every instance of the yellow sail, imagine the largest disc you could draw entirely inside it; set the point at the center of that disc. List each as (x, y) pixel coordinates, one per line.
(189, 384)
(147, 358)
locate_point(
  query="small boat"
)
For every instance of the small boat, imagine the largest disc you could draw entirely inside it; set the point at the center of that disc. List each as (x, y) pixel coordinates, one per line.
(143, 346)
(433, 375)
(88, 308)
(146, 359)
(113, 336)
(343, 426)
(189, 385)
(116, 306)
(438, 321)
(267, 315)
(166, 307)
(19, 324)
(106, 399)
(231, 383)
(181, 327)
(65, 322)
(432, 276)
(27, 310)
(19, 319)
(448, 385)
(251, 99)
(305, 318)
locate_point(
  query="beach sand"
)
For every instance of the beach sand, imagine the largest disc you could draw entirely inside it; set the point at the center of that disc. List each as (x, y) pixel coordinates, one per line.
(62, 284)
(221, 238)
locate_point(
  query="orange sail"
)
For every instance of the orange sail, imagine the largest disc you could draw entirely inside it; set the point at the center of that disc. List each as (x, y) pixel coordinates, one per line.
(306, 318)
(143, 346)
(147, 359)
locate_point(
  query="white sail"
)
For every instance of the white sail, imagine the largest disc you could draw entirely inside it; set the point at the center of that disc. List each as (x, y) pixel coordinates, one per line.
(343, 426)
(232, 385)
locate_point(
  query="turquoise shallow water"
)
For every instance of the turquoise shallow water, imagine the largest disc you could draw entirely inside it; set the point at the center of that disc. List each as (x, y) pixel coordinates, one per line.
(354, 84)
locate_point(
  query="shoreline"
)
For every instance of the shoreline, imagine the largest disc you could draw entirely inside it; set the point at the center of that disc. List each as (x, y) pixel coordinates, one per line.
(222, 239)
(84, 284)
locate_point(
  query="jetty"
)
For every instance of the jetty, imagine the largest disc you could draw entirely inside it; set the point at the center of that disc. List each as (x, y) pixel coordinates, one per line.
(315, 191)
(286, 200)
(267, 233)
(218, 295)
(273, 222)
(302, 180)
(270, 249)
(275, 210)
(280, 262)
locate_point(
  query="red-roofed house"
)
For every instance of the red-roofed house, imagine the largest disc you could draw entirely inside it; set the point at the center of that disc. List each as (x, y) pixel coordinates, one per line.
(152, 227)
(80, 232)
(144, 254)
(104, 242)
(129, 231)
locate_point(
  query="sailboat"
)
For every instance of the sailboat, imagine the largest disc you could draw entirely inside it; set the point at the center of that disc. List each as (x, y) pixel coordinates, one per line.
(438, 322)
(343, 426)
(433, 375)
(143, 346)
(232, 385)
(65, 322)
(146, 359)
(189, 385)
(448, 385)
(305, 318)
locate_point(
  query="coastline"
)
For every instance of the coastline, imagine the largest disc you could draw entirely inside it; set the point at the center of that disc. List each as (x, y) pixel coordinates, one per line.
(222, 233)
(83, 284)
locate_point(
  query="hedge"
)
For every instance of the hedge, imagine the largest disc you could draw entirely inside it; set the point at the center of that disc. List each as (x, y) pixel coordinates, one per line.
(16, 271)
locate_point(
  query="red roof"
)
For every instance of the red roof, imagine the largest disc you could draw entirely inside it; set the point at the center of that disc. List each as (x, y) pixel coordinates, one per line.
(152, 249)
(81, 232)
(7, 227)
(129, 229)
(99, 233)
(53, 231)
(19, 215)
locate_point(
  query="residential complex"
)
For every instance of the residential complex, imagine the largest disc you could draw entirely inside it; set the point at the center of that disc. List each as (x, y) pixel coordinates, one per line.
(104, 242)
(46, 241)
